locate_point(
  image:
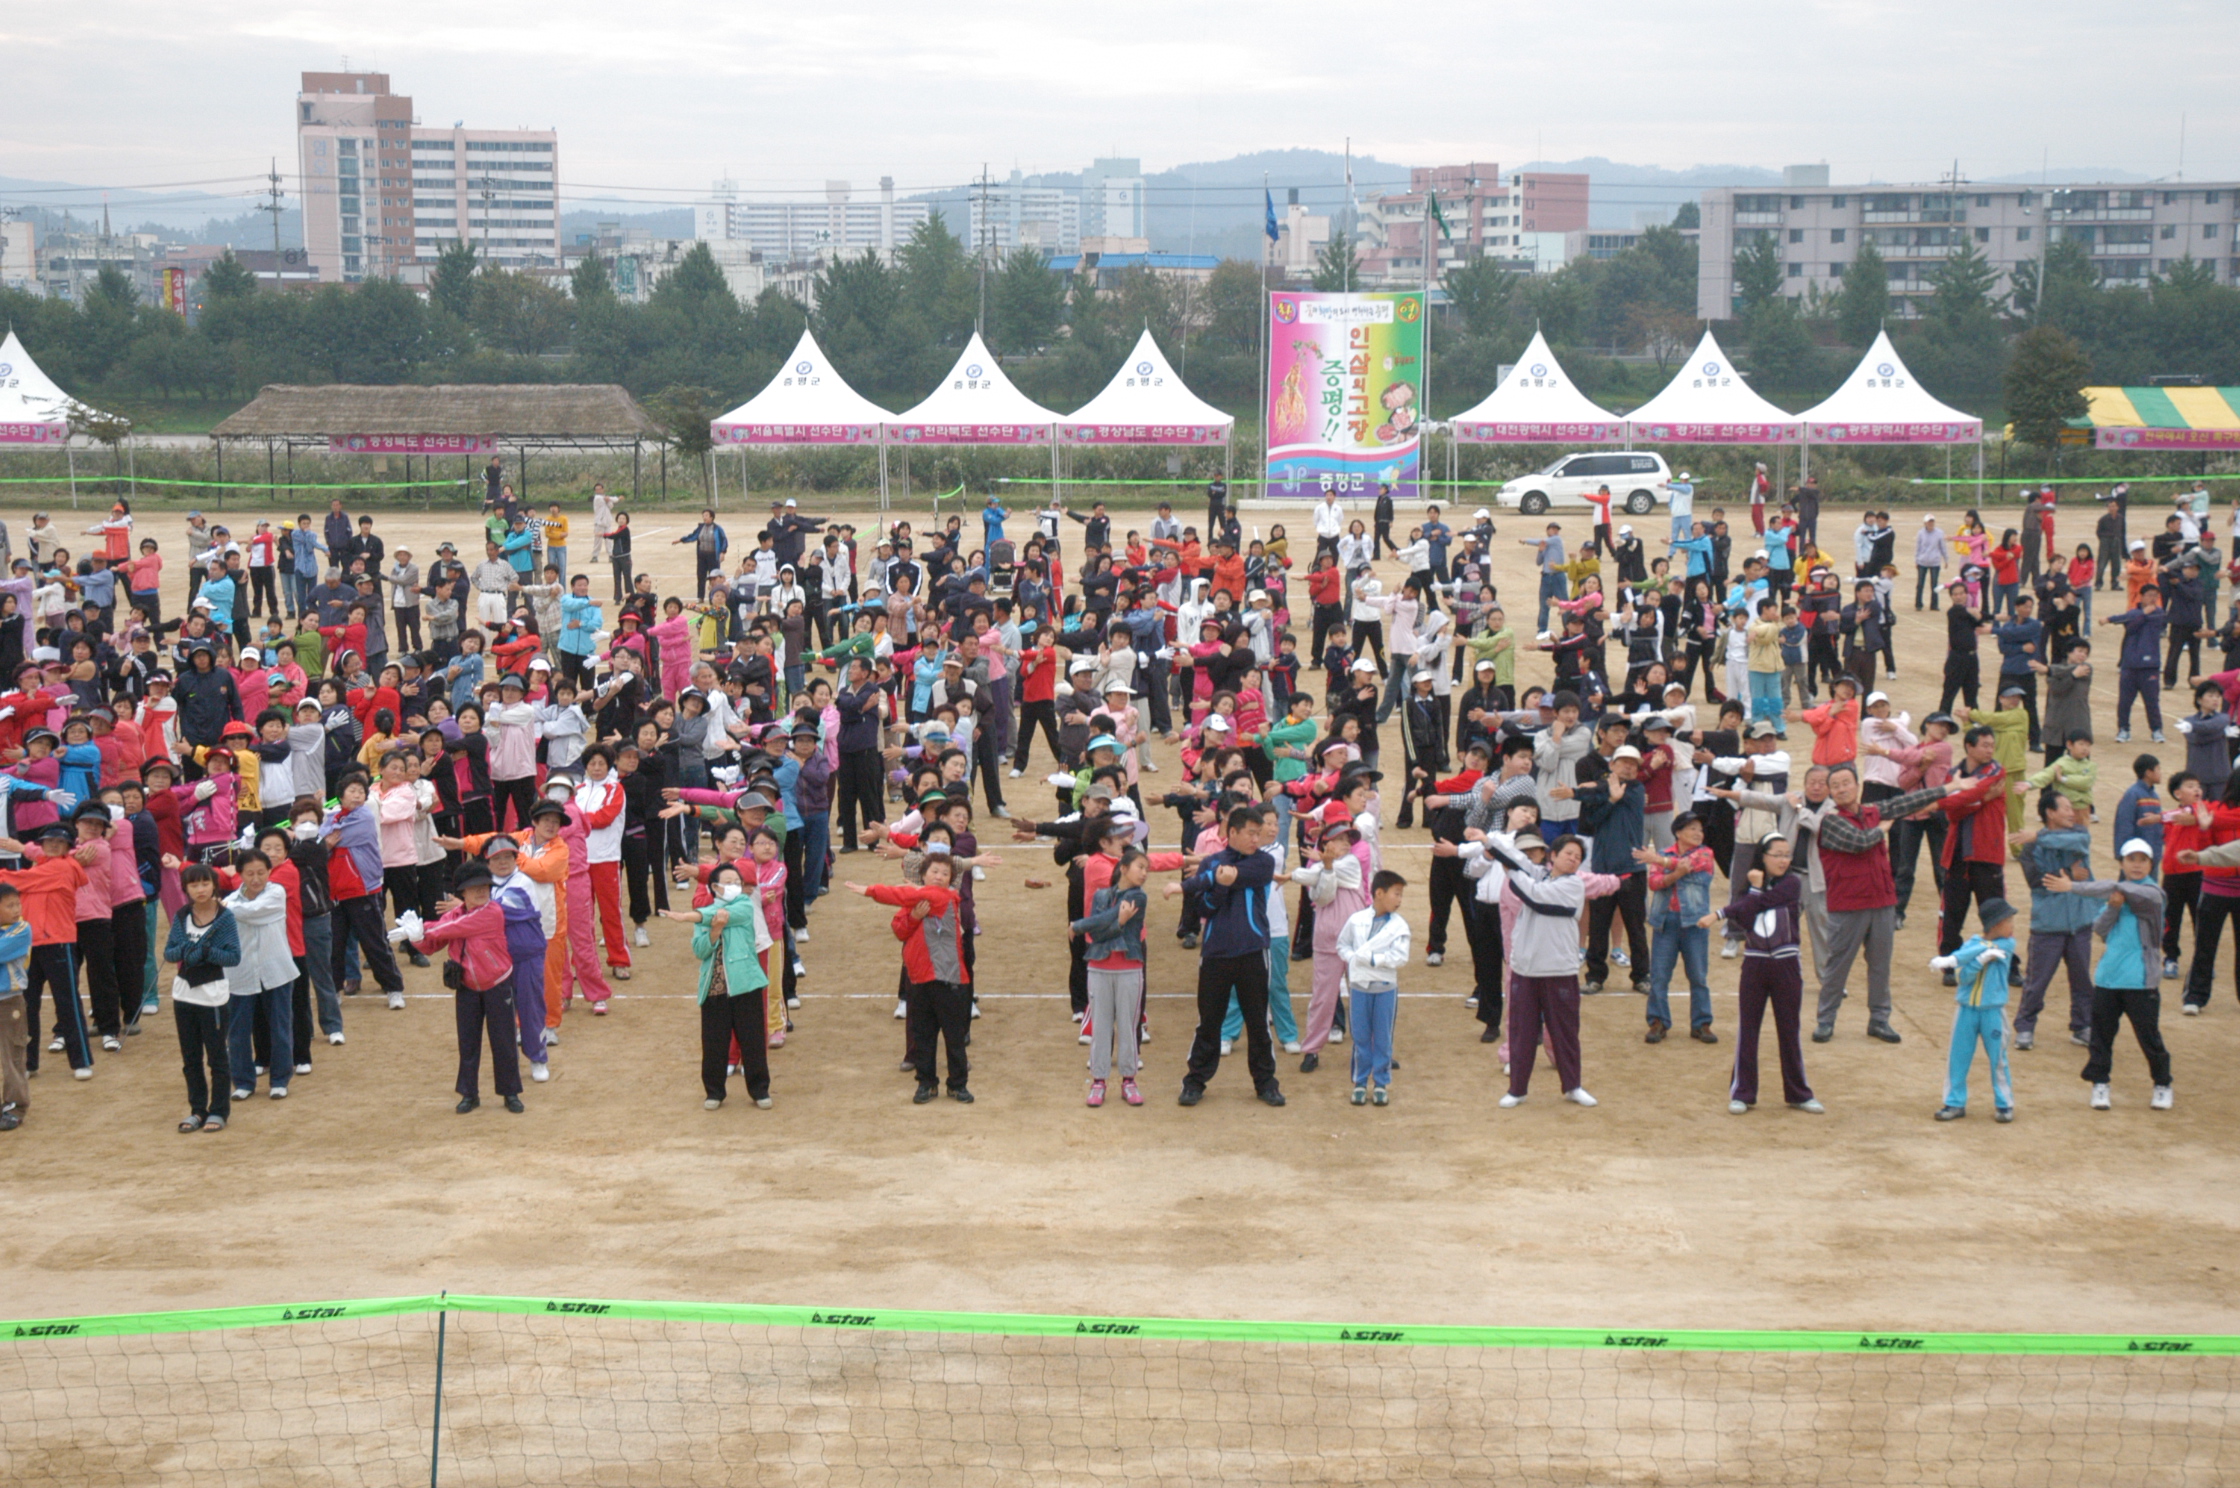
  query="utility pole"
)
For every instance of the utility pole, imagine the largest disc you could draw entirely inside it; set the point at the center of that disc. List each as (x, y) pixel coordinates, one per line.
(489, 195)
(980, 323)
(272, 205)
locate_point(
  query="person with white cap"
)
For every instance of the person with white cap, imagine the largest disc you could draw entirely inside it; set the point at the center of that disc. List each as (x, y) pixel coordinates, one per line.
(2127, 981)
(1541, 904)
(1930, 555)
(1680, 494)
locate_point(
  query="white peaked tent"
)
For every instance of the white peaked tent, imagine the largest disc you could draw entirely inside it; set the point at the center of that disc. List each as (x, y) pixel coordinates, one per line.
(807, 403)
(33, 410)
(1537, 403)
(975, 404)
(1709, 403)
(1145, 403)
(1881, 403)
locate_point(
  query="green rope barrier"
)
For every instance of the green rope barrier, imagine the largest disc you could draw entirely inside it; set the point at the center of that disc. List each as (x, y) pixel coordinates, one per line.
(1193, 1329)
(149, 480)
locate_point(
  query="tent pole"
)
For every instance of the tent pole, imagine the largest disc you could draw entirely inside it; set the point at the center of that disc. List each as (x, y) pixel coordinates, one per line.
(70, 457)
(637, 470)
(271, 471)
(132, 467)
(1979, 475)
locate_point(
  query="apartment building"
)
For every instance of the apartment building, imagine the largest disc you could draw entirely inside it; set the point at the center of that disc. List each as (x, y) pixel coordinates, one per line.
(1010, 214)
(380, 193)
(2132, 232)
(811, 231)
(1522, 221)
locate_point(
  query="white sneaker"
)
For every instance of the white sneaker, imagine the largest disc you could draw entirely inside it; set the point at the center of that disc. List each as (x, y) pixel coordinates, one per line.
(303, 1069)
(1579, 1097)
(1085, 1038)
(1291, 1046)
(793, 1004)
(261, 1070)
(2190, 1010)
(1143, 1035)
(801, 937)
(279, 1092)
(1337, 1035)
(979, 875)
(2161, 1101)
(242, 1095)
(2100, 1101)
(730, 1070)
(396, 1002)
(87, 1074)
(1228, 1047)
(975, 1009)
(711, 1105)
(54, 1045)
(901, 1011)
(540, 1071)
(1726, 950)
(110, 1044)
(1015, 774)
(1620, 958)
(1737, 1108)
(762, 1104)
(1077, 1017)
(1435, 958)
(640, 938)
(1810, 1108)
(1510, 1102)
(335, 1039)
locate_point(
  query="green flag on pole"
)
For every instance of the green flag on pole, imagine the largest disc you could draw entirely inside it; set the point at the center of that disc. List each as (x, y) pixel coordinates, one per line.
(1431, 210)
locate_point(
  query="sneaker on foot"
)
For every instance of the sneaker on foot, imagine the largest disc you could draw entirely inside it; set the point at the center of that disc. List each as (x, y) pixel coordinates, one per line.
(1510, 1102)
(111, 1044)
(242, 1095)
(1435, 958)
(2025, 1038)
(1096, 1092)
(1621, 958)
(901, 1011)
(1809, 1107)
(396, 1002)
(2100, 1101)
(711, 1105)
(1381, 1096)
(801, 937)
(1823, 1032)
(1737, 1108)
(1579, 1097)
(335, 1039)
(2169, 968)
(1228, 1046)
(2123, 736)
(1360, 1095)
(1272, 1097)
(1726, 950)
(2003, 1115)
(2162, 1098)
(762, 1103)
(1086, 1037)
(1951, 1113)
(1291, 1046)
(82, 1072)
(1884, 1032)
(1130, 1094)
(1191, 1095)
(54, 1045)
(2079, 1039)
(303, 1069)
(539, 1071)
(278, 1092)
(640, 939)
(1337, 1035)
(2158, 737)
(975, 1009)
(2191, 1010)
(1310, 1064)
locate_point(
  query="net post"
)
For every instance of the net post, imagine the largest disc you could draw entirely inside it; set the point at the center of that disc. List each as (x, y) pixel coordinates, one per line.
(435, 1430)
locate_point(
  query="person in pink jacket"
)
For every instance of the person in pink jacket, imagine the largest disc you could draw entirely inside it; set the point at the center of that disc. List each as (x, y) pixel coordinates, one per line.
(673, 635)
(512, 726)
(1338, 886)
(475, 930)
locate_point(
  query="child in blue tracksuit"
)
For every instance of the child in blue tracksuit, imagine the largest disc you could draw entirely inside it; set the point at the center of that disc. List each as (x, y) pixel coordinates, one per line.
(1982, 963)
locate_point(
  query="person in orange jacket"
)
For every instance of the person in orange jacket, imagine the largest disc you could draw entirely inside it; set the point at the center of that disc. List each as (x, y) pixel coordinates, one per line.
(1834, 724)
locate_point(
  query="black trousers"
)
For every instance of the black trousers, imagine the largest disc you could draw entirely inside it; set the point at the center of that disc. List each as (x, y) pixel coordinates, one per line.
(1247, 976)
(128, 940)
(361, 917)
(479, 1013)
(987, 759)
(2185, 639)
(1368, 635)
(2210, 913)
(96, 948)
(1488, 957)
(1448, 883)
(1630, 903)
(797, 892)
(943, 1010)
(262, 591)
(862, 798)
(1963, 674)
(54, 969)
(2143, 1006)
(406, 626)
(2181, 892)
(704, 568)
(403, 887)
(638, 868)
(739, 1016)
(1907, 839)
(1982, 882)
(202, 1047)
(1327, 618)
(622, 578)
(522, 794)
(1044, 713)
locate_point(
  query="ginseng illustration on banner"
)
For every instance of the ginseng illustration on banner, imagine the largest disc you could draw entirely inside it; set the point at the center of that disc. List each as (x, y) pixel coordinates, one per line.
(1345, 392)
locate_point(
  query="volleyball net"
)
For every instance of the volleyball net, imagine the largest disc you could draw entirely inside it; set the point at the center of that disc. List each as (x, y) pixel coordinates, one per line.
(515, 1391)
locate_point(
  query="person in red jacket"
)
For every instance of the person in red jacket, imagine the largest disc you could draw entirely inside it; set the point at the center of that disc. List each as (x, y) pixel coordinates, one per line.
(1975, 842)
(929, 924)
(1039, 669)
(49, 886)
(1326, 591)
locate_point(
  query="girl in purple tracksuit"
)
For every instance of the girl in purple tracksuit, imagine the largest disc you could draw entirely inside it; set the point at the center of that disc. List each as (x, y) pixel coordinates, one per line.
(1766, 918)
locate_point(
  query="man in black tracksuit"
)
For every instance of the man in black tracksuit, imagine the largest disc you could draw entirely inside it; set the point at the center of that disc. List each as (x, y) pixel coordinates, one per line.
(1232, 889)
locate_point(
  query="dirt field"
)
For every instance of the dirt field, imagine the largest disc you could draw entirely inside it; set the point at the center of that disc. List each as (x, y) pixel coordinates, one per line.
(1656, 1210)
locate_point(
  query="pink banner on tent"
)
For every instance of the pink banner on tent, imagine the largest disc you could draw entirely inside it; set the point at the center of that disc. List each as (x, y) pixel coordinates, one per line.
(1511, 433)
(411, 444)
(2167, 439)
(1142, 433)
(972, 433)
(34, 433)
(1893, 433)
(1715, 433)
(797, 433)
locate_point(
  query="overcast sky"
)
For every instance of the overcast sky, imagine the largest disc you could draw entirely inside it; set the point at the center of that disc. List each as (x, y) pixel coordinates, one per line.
(664, 95)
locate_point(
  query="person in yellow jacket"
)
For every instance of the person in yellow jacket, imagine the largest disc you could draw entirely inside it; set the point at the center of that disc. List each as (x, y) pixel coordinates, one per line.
(554, 527)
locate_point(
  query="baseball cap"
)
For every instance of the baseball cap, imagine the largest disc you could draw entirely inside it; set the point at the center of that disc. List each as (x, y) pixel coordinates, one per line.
(1762, 729)
(1877, 697)
(2014, 692)
(1626, 751)
(2136, 846)
(1656, 723)
(1364, 664)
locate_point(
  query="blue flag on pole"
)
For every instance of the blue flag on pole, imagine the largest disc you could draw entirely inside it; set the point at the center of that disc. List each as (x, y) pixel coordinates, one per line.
(1273, 236)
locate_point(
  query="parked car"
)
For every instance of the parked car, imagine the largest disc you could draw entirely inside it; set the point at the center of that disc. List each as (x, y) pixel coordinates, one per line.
(1638, 481)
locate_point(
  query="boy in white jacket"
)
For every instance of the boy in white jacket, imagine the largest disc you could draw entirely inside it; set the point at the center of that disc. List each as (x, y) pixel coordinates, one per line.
(1373, 944)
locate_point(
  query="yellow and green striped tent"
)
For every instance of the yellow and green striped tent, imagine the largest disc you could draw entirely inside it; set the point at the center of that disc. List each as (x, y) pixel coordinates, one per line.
(2168, 418)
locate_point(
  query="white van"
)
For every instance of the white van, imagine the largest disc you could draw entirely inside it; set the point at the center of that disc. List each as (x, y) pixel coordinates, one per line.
(1637, 482)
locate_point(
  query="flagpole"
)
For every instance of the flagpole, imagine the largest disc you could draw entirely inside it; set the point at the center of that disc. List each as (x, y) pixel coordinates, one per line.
(1345, 280)
(1267, 249)
(1423, 393)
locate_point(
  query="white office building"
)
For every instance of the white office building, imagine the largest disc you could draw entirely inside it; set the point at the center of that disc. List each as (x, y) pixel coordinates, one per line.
(2132, 232)
(1113, 199)
(809, 232)
(1011, 214)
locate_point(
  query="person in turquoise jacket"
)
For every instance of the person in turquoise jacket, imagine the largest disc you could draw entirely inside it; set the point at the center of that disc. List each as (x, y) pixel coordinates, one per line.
(1982, 963)
(728, 934)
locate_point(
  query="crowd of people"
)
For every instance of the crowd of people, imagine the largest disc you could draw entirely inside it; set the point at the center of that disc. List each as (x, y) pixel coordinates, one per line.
(335, 760)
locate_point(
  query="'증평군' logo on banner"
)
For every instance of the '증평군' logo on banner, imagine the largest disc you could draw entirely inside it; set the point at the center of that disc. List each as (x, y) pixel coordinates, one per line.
(804, 368)
(1885, 370)
(1143, 369)
(1539, 369)
(972, 371)
(1711, 369)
